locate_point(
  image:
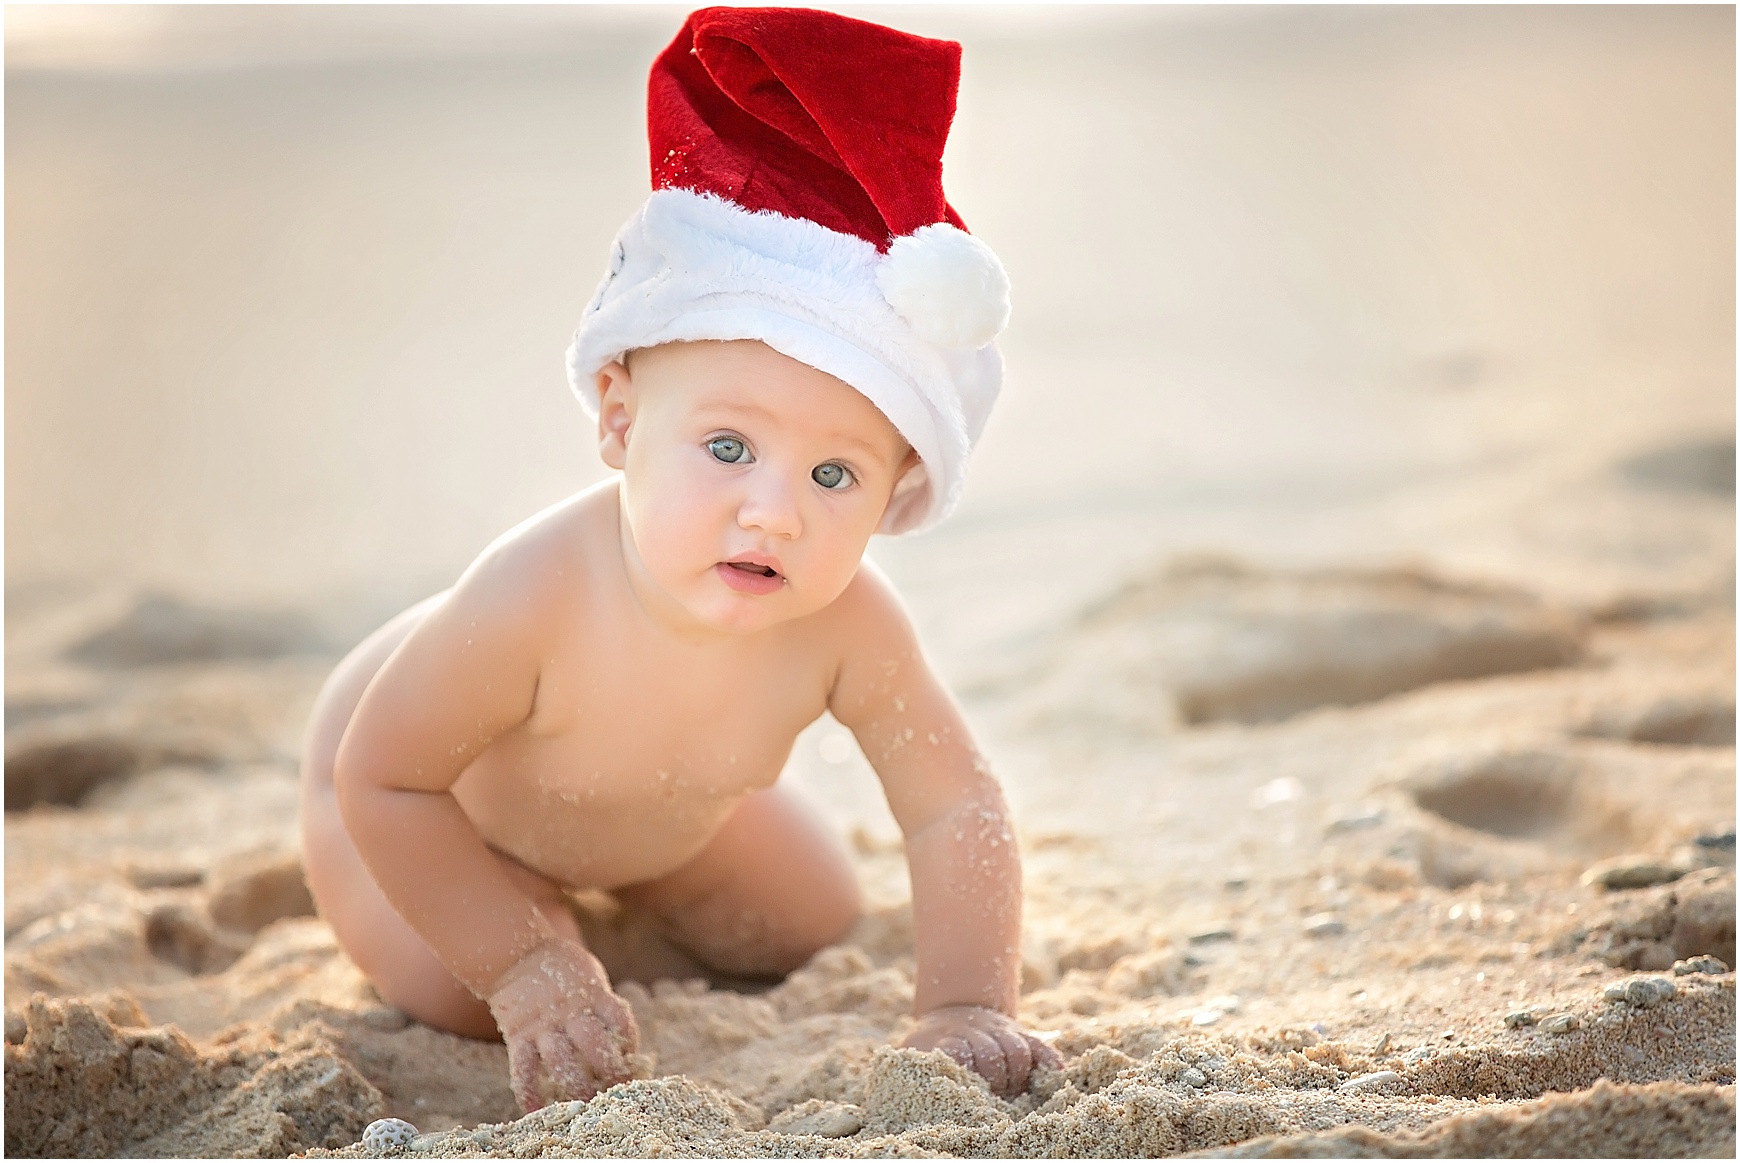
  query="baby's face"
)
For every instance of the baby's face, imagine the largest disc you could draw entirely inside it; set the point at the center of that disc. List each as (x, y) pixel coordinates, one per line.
(751, 482)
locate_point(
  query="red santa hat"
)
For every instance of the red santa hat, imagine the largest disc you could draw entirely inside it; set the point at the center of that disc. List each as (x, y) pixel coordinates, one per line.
(797, 199)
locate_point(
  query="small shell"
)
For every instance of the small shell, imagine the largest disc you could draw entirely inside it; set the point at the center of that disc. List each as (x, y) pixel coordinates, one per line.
(1560, 1023)
(1215, 1009)
(829, 1120)
(1517, 1018)
(1371, 1081)
(384, 1135)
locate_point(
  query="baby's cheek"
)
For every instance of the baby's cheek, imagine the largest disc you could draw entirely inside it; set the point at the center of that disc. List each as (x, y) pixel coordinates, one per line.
(832, 569)
(680, 515)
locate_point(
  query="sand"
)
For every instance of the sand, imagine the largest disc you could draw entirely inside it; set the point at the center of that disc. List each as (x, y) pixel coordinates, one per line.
(1329, 974)
(1357, 649)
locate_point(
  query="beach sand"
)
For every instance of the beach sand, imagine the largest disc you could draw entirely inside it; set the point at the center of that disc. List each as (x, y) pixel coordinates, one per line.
(1363, 683)
(1300, 936)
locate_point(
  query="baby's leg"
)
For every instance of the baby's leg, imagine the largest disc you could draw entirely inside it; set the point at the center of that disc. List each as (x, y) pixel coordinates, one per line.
(404, 970)
(772, 887)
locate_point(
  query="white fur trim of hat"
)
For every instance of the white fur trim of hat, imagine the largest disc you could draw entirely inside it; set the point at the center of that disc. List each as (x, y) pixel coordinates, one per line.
(911, 329)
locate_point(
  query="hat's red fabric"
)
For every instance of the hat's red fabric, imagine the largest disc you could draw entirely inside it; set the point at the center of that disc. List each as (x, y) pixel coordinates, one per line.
(808, 114)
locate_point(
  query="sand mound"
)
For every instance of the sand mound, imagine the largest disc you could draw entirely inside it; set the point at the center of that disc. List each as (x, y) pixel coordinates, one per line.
(1661, 1121)
(1696, 466)
(161, 628)
(1220, 640)
(1652, 930)
(1699, 719)
(63, 771)
(1134, 1085)
(81, 1085)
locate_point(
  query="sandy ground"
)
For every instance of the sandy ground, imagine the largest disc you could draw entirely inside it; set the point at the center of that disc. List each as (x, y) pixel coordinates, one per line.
(1365, 691)
(1312, 928)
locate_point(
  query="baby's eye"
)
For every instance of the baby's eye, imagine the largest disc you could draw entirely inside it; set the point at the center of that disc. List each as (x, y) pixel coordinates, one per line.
(831, 476)
(728, 449)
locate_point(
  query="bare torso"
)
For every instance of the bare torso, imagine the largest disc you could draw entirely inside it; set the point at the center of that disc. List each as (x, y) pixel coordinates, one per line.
(637, 746)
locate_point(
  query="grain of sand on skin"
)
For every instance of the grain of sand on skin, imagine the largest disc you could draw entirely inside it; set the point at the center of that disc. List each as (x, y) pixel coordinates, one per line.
(1432, 920)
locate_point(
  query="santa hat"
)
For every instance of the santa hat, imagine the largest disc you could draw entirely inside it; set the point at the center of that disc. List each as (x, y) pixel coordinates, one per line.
(797, 199)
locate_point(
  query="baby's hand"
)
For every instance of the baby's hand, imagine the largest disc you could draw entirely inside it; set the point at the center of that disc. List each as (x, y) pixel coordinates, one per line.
(987, 1042)
(568, 1034)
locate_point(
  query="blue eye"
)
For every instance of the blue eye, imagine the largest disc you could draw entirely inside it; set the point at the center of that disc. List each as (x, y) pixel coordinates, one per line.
(728, 449)
(831, 476)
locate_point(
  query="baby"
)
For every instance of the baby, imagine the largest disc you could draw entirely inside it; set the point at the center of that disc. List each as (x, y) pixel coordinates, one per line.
(791, 351)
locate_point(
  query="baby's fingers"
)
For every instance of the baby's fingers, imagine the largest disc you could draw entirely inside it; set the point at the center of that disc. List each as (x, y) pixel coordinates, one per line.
(1044, 1053)
(600, 1052)
(569, 1077)
(619, 1026)
(1017, 1060)
(988, 1060)
(523, 1073)
(955, 1047)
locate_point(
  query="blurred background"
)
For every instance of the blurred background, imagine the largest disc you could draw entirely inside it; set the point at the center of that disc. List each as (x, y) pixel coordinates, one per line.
(288, 289)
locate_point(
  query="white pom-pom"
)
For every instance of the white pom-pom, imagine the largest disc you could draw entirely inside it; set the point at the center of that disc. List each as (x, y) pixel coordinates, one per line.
(947, 284)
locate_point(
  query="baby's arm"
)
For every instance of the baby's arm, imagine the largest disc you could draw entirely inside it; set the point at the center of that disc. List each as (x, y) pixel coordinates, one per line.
(467, 673)
(960, 848)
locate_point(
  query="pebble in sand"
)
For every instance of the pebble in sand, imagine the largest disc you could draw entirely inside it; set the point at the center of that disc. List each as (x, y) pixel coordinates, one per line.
(1642, 992)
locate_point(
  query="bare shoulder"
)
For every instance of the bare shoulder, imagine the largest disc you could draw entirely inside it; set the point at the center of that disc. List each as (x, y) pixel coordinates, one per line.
(869, 615)
(534, 576)
(876, 647)
(493, 627)
(472, 667)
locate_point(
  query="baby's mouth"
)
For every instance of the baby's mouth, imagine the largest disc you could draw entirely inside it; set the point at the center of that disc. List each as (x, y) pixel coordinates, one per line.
(751, 577)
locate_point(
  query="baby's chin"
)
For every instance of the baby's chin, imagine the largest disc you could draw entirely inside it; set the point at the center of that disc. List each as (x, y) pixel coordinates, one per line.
(741, 617)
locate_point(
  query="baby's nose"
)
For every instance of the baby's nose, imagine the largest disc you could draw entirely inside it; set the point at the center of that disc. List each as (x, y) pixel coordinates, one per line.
(771, 507)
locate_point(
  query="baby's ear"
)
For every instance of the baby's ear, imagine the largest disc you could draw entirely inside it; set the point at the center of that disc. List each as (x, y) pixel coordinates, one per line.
(615, 413)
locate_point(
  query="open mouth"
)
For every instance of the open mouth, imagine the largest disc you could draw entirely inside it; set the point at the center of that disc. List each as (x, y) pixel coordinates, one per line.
(750, 577)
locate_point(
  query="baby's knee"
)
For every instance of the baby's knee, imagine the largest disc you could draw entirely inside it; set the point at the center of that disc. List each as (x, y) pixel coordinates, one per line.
(775, 946)
(838, 911)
